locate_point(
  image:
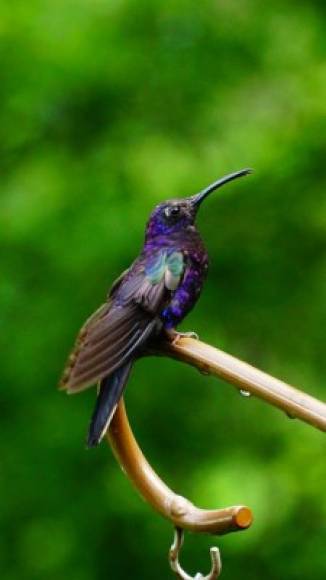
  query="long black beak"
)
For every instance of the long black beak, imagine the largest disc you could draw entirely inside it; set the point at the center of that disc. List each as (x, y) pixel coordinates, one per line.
(199, 197)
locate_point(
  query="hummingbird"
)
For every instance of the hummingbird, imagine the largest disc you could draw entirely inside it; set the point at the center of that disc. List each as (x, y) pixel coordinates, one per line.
(149, 299)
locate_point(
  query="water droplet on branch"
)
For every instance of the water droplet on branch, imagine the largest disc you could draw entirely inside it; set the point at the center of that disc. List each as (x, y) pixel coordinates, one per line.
(289, 415)
(245, 393)
(204, 371)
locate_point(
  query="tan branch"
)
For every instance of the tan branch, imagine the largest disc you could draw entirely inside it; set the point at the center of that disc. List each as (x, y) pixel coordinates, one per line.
(176, 508)
(210, 360)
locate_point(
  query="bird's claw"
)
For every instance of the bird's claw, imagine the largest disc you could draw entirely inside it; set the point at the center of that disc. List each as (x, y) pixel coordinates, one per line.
(188, 335)
(174, 336)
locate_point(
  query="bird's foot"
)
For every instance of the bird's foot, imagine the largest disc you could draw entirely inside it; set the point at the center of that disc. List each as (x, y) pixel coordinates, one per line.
(174, 335)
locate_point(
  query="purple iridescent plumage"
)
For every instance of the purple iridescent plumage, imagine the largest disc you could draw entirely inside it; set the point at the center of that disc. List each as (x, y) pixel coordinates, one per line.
(181, 237)
(155, 293)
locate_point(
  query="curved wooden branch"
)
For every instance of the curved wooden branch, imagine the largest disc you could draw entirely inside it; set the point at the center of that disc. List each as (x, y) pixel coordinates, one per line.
(176, 508)
(210, 360)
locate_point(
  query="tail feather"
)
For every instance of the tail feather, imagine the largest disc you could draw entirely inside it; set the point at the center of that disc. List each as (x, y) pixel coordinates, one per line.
(111, 389)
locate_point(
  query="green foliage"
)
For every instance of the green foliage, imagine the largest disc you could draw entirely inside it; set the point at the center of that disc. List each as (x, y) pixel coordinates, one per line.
(106, 109)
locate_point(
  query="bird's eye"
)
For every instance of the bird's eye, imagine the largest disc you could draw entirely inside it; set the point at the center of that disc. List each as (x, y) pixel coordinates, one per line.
(172, 211)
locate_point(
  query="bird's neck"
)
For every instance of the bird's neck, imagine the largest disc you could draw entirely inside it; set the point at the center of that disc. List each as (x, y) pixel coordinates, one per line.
(177, 240)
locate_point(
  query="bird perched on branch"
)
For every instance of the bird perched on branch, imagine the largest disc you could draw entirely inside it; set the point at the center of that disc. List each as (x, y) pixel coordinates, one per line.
(152, 296)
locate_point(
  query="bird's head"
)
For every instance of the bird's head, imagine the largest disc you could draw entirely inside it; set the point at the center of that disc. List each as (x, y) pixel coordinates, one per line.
(178, 215)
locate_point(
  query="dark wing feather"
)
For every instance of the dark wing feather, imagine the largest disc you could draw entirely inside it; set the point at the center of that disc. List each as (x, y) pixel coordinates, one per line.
(118, 329)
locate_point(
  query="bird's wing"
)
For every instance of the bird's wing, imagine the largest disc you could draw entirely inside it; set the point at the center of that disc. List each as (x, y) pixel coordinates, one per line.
(119, 328)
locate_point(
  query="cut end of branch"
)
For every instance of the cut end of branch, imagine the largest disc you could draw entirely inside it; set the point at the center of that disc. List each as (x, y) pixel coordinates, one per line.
(243, 518)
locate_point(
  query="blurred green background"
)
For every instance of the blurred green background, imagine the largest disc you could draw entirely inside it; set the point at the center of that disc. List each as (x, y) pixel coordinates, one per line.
(107, 108)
